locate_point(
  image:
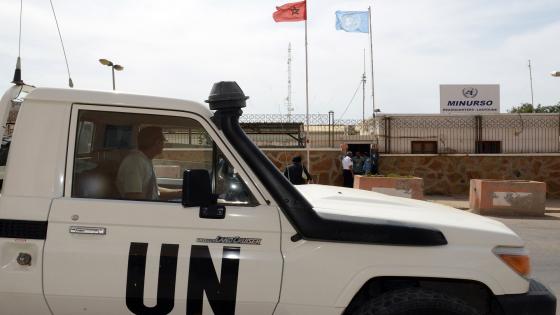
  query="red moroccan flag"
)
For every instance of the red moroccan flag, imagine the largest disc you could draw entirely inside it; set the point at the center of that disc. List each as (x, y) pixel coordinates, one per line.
(290, 12)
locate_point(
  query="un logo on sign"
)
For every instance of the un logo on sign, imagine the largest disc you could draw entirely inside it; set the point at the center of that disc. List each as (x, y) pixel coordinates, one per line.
(470, 92)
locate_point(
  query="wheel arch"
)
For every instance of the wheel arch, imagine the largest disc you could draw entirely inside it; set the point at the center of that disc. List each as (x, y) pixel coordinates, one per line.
(475, 293)
(369, 274)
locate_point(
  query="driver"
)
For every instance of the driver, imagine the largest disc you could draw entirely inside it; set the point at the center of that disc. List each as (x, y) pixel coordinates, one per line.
(136, 178)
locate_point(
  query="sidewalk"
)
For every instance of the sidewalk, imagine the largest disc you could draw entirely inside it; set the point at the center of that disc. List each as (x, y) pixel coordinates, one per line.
(462, 202)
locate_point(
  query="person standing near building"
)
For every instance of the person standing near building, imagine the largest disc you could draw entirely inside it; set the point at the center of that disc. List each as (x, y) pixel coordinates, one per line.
(374, 162)
(368, 165)
(358, 163)
(296, 173)
(347, 170)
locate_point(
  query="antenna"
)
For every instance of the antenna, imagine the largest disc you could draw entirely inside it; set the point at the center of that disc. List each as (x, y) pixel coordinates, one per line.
(531, 80)
(70, 83)
(17, 73)
(289, 105)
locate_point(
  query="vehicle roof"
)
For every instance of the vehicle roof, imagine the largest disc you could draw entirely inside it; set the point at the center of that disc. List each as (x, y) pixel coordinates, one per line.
(115, 98)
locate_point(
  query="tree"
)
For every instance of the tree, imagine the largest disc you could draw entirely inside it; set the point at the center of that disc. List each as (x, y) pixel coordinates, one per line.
(529, 108)
(523, 108)
(549, 109)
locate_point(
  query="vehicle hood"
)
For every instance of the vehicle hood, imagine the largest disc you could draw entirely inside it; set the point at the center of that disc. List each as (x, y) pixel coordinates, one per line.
(458, 226)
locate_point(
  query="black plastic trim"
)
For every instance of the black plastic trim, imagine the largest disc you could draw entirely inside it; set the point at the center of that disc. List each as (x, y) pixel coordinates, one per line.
(539, 300)
(35, 230)
(300, 212)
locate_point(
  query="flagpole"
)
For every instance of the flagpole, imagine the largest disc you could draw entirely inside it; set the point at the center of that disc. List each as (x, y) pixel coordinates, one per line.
(371, 55)
(364, 93)
(373, 123)
(307, 140)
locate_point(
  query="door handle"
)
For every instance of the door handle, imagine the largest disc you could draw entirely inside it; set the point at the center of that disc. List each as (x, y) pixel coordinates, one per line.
(88, 230)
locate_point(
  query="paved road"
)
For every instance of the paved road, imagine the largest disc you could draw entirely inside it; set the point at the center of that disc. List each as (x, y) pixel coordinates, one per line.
(542, 236)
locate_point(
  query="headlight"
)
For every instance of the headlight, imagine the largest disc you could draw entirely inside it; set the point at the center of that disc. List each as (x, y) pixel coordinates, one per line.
(517, 258)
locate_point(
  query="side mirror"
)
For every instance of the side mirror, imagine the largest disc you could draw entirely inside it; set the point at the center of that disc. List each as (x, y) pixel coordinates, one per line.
(197, 189)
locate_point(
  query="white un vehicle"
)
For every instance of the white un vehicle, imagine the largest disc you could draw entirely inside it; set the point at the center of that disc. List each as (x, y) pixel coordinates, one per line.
(225, 233)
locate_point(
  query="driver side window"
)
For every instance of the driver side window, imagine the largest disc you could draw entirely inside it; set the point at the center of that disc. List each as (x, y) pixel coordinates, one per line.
(143, 157)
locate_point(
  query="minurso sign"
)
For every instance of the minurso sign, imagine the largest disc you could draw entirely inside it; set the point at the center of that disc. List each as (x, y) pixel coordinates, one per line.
(469, 99)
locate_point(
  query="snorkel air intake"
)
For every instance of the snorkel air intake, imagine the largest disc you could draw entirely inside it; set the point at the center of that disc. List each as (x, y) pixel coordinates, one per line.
(227, 99)
(226, 95)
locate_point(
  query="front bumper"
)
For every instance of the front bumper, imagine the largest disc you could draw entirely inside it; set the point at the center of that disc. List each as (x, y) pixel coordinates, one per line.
(538, 301)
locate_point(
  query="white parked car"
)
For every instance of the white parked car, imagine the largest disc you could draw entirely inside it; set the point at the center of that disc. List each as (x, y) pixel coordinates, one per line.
(229, 234)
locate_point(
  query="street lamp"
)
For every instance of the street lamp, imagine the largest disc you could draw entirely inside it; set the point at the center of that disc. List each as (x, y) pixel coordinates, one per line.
(114, 67)
(555, 73)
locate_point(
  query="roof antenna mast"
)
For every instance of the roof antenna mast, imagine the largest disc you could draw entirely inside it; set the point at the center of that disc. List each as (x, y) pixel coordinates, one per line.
(17, 73)
(70, 83)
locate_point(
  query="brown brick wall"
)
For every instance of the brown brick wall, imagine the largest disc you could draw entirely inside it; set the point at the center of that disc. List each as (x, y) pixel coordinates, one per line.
(446, 175)
(326, 168)
(443, 175)
(450, 175)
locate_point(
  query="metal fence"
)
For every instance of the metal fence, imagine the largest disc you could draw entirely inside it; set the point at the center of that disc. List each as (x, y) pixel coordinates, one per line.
(404, 134)
(324, 130)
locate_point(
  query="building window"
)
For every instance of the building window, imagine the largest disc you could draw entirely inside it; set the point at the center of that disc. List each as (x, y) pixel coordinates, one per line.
(488, 147)
(424, 147)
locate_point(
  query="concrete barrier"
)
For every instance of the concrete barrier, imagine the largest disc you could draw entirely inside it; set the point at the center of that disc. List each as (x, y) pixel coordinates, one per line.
(507, 197)
(407, 187)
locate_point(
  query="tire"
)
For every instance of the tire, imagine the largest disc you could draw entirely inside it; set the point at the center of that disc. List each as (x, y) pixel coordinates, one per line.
(414, 301)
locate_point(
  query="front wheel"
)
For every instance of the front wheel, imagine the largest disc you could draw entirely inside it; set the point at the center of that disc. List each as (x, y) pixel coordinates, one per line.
(414, 301)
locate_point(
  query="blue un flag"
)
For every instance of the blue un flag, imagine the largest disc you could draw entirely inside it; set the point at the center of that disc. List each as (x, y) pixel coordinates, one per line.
(352, 21)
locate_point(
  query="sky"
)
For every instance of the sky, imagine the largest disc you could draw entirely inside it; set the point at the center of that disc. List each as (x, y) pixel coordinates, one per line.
(180, 48)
